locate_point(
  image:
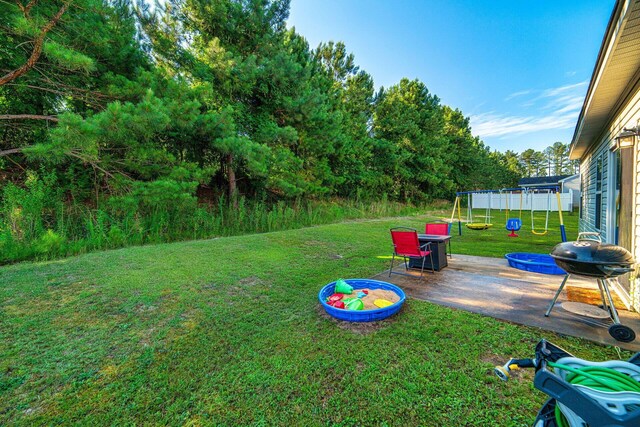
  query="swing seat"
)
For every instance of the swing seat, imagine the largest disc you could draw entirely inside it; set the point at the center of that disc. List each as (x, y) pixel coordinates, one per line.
(478, 226)
(514, 224)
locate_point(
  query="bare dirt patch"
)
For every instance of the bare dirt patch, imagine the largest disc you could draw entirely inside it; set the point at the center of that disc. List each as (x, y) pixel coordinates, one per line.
(142, 308)
(360, 328)
(250, 281)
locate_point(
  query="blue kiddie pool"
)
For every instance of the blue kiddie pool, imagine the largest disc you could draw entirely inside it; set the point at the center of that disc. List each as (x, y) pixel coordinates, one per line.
(536, 263)
(362, 315)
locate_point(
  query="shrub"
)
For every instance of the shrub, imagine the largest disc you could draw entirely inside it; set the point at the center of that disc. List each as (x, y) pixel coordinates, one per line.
(49, 244)
(35, 223)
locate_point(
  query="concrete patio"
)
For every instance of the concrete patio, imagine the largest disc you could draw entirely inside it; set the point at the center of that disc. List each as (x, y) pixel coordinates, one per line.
(490, 287)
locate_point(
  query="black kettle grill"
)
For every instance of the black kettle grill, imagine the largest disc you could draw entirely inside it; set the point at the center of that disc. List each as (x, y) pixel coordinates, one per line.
(589, 257)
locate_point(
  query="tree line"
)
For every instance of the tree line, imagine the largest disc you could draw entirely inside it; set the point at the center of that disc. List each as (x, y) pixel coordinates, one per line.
(115, 106)
(553, 160)
(116, 97)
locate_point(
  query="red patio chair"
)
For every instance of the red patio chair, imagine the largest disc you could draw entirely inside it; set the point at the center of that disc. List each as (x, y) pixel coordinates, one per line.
(406, 244)
(438, 229)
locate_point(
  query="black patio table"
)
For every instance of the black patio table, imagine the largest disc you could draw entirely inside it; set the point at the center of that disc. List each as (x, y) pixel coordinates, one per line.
(439, 248)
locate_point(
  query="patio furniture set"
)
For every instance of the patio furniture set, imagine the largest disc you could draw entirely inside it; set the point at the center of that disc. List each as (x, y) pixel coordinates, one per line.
(428, 250)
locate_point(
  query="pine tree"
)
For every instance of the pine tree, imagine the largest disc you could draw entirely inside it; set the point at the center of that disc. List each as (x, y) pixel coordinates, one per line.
(412, 121)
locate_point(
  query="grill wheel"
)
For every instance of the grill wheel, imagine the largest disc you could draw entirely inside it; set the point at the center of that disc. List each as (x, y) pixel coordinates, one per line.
(622, 333)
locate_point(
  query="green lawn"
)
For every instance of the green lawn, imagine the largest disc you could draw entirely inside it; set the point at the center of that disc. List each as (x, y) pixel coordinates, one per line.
(228, 332)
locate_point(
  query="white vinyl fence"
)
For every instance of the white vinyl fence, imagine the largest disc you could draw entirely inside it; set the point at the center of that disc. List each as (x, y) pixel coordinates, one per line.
(539, 201)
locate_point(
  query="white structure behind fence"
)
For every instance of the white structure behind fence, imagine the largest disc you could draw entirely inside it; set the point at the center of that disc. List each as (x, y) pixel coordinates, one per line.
(540, 201)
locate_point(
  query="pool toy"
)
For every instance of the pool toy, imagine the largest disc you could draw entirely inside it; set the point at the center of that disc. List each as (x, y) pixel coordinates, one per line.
(353, 304)
(335, 297)
(338, 304)
(361, 315)
(382, 303)
(366, 291)
(361, 294)
(343, 287)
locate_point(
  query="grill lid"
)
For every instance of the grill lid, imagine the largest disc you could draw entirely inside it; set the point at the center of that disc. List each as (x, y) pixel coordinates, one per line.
(592, 252)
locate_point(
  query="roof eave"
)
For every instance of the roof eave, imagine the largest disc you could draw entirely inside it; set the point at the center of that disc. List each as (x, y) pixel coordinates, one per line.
(578, 147)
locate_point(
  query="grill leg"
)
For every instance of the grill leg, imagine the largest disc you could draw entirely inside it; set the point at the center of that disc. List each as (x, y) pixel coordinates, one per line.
(605, 305)
(555, 298)
(612, 307)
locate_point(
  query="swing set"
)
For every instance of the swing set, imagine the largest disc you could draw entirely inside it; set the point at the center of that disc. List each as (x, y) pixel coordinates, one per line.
(512, 224)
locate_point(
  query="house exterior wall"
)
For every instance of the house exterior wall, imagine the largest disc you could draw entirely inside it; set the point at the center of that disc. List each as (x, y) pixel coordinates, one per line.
(628, 116)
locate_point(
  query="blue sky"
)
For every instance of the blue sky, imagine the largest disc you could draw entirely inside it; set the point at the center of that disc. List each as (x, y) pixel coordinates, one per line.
(518, 69)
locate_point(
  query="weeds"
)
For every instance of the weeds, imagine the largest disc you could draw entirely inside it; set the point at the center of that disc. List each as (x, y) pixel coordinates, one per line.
(36, 224)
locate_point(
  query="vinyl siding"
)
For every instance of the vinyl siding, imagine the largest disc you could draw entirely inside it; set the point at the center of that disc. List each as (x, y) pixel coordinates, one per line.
(629, 116)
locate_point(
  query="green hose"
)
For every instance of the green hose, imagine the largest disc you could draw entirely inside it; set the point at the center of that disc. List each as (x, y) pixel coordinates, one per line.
(597, 378)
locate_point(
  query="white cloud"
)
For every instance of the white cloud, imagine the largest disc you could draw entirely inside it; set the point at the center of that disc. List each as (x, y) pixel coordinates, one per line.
(567, 104)
(559, 111)
(562, 89)
(516, 94)
(486, 125)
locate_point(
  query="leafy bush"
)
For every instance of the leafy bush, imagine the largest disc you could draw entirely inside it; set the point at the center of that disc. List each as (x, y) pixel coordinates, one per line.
(27, 211)
(36, 224)
(49, 244)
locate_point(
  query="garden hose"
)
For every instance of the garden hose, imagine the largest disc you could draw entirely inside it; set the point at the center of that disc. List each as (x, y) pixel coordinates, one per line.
(597, 378)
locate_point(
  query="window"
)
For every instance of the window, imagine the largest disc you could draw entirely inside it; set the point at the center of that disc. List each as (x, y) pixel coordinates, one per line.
(598, 193)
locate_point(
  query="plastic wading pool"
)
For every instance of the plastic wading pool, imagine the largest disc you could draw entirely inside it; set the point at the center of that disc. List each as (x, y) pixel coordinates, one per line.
(536, 263)
(362, 315)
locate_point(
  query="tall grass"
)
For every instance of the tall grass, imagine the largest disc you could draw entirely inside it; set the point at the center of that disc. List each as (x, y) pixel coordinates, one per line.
(31, 229)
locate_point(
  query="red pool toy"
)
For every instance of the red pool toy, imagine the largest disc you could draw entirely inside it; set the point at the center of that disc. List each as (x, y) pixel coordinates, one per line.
(338, 304)
(335, 297)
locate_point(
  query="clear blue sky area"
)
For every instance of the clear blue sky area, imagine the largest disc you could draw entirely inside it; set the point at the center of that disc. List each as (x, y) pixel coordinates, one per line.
(519, 69)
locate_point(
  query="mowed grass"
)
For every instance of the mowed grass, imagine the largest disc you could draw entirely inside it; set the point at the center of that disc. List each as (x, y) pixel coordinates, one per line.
(229, 332)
